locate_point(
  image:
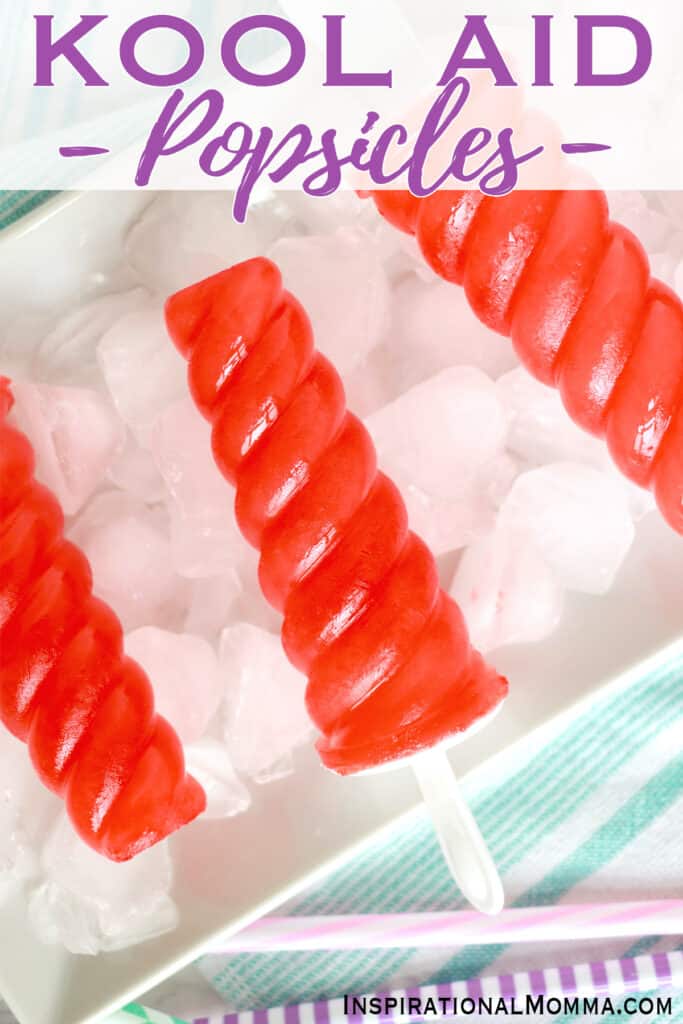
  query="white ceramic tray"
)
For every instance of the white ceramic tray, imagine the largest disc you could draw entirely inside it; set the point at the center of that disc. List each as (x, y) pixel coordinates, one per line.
(233, 871)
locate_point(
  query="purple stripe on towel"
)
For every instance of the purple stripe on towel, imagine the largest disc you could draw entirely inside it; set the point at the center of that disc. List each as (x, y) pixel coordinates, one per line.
(508, 989)
(537, 983)
(354, 1017)
(321, 1012)
(567, 979)
(415, 993)
(662, 968)
(474, 989)
(599, 976)
(292, 1014)
(629, 972)
(386, 1016)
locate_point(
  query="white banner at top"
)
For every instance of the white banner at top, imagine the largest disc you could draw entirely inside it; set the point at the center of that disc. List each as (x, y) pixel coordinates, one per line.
(327, 94)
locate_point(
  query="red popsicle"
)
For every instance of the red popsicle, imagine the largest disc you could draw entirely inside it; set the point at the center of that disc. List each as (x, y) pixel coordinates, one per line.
(573, 291)
(66, 688)
(390, 668)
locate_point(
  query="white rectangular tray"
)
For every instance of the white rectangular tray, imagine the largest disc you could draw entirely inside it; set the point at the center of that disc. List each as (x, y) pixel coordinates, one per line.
(230, 872)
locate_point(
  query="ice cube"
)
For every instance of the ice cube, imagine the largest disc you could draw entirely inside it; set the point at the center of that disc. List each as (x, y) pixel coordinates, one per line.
(507, 591)
(501, 474)
(319, 215)
(75, 434)
(442, 433)
(205, 538)
(209, 762)
(68, 349)
(135, 471)
(184, 237)
(672, 202)
(213, 604)
(649, 225)
(640, 502)
(666, 265)
(27, 811)
(447, 524)
(181, 447)
(19, 338)
(265, 713)
(142, 369)
(252, 606)
(400, 252)
(577, 517)
(540, 429)
(90, 904)
(183, 670)
(433, 327)
(129, 551)
(341, 282)
(17, 859)
(371, 385)
(205, 543)
(678, 277)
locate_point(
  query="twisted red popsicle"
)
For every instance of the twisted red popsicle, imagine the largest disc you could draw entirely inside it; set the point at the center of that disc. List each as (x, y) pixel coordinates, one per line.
(573, 291)
(66, 689)
(389, 664)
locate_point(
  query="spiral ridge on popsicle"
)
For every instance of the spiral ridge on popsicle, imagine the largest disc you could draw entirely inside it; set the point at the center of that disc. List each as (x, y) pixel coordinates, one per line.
(389, 664)
(66, 689)
(573, 291)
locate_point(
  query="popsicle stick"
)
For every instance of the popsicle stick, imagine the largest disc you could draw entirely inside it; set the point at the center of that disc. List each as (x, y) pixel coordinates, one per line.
(463, 846)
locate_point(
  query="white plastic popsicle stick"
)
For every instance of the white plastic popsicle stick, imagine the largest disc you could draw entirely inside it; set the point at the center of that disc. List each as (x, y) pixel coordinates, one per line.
(463, 846)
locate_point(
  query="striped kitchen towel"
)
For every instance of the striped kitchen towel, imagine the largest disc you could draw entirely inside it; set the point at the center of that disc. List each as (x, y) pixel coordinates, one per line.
(595, 814)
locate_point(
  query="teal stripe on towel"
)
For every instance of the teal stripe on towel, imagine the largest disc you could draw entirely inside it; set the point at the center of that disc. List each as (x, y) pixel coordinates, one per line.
(15, 205)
